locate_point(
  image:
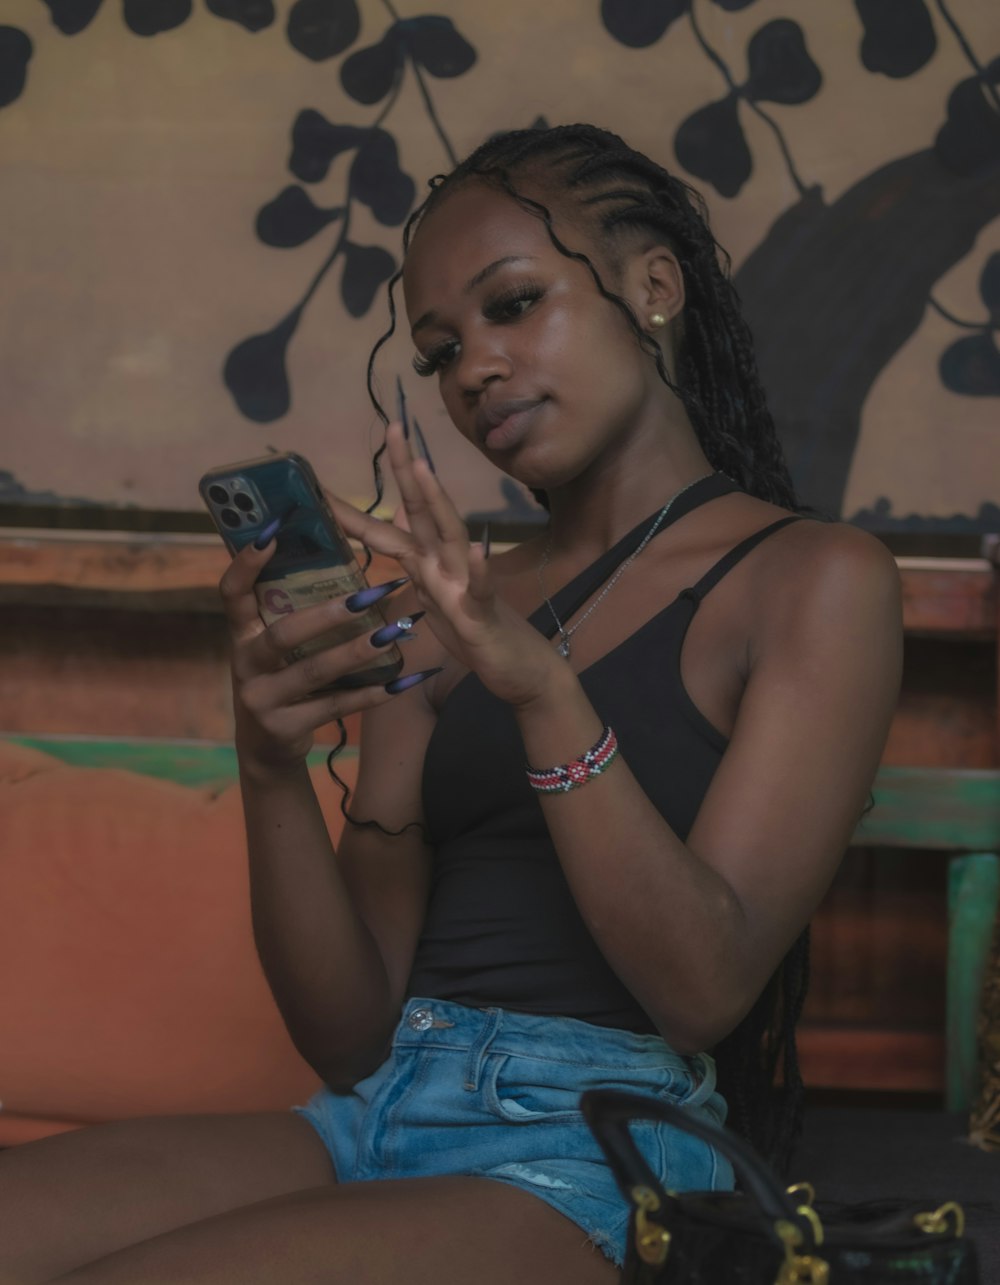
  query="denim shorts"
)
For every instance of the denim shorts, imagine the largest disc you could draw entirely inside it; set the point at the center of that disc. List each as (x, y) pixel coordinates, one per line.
(495, 1094)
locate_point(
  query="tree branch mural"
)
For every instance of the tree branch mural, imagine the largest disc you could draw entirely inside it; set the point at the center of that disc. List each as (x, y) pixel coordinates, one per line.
(833, 290)
(843, 286)
(255, 371)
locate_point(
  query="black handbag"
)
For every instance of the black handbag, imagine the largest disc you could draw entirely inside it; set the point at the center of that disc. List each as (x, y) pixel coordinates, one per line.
(764, 1234)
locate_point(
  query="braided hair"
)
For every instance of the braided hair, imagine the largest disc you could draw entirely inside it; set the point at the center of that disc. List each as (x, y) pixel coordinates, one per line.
(613, 195)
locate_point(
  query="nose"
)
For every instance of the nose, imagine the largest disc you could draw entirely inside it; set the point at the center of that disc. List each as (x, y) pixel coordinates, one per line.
(483, 358)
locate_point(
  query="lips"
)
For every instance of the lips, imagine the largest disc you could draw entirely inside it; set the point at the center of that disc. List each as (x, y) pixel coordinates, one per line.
(500, 425)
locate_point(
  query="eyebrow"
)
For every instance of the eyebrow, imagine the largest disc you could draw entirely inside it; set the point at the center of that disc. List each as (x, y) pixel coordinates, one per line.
(430, 317)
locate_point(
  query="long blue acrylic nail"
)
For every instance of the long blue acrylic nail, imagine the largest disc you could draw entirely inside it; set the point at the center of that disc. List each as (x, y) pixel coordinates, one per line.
(410, 680)
(364, 598)
(484, 540)
(401, 408)
(422, 443)
(267, 534)
(398, 629)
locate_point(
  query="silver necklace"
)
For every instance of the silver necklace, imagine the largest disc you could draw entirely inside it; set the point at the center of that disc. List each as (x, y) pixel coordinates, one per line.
(563, 647)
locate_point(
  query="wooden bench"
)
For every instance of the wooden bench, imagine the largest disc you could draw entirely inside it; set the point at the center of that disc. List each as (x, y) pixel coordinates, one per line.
(956, 813)
(912, 928)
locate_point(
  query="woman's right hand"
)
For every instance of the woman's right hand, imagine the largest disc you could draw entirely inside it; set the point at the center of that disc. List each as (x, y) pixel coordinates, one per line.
(276, 717)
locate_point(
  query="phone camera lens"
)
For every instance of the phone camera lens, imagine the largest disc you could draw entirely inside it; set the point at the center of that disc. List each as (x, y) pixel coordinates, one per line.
(230, 517)
(243, 501)
(219, 494)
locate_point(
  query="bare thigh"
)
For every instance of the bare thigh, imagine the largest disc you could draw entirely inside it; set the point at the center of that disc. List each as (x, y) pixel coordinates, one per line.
(68, 1200)
(423, 1231)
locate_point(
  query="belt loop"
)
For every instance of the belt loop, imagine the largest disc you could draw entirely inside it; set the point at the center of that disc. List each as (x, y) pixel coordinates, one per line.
(704, 1065)
(479, 1048)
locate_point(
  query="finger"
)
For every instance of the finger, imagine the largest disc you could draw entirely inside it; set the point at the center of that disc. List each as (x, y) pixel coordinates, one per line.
(420, 521)
(451, 531)
(310, 715)
(236, 588)
(480, 580)
(307, 716)
(383, 537)
(267, 693)
(447, 519)
(270, 648)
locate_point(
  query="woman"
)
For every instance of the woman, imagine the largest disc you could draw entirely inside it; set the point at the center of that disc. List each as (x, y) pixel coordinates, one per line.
(704, 710)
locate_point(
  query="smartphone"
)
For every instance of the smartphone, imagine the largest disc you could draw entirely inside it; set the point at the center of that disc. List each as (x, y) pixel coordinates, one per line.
(313, 560)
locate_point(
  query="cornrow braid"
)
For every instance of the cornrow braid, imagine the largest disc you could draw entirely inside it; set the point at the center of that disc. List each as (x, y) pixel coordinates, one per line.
(615, 194)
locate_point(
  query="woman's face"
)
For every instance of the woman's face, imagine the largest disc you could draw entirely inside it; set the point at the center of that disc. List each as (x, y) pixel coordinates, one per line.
(536, 368)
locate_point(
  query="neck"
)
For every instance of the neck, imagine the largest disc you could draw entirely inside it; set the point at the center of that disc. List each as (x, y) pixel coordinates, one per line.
(593, 512)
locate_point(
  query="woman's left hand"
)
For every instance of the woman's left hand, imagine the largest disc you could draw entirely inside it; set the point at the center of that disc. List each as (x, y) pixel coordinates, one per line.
(453, 583)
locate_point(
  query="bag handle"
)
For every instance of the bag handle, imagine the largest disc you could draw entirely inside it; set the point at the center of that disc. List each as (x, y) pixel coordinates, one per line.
(607, 1113)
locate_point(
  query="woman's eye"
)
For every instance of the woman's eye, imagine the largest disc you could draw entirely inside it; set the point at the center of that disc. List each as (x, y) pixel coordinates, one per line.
(513, 304)
(515, 307)
(435, 360)
(508, 306)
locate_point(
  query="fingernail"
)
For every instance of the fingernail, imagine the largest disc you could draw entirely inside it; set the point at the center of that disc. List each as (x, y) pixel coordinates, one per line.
(363, 598)
(389, 633)
(401, 408)
(410, 680)
(484, 540)
(422, 443)
(267, 534)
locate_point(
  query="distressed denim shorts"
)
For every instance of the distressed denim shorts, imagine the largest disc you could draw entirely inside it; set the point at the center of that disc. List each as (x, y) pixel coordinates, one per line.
(495, 1094)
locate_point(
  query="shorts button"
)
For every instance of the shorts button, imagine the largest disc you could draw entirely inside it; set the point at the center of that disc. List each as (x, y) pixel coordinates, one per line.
(421, 1019)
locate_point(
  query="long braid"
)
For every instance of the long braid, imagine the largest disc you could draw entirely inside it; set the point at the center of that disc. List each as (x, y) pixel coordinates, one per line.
(615, 192)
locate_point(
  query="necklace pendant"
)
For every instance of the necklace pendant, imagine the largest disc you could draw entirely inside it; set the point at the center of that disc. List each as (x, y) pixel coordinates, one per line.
(563, 649)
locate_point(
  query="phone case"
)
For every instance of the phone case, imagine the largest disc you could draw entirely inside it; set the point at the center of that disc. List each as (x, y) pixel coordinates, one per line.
(313, 560)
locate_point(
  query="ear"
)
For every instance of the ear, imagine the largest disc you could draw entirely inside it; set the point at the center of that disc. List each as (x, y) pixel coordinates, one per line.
(655, 287)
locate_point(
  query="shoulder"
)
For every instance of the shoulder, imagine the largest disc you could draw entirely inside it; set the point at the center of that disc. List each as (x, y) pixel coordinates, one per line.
(820, 558)
(809, 562)
(833, 578)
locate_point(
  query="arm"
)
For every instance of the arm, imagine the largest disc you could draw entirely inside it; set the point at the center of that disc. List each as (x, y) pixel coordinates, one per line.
(695, 929)
(335, 931)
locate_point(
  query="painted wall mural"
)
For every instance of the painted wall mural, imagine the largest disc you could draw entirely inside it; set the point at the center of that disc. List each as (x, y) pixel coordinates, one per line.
(201, 206)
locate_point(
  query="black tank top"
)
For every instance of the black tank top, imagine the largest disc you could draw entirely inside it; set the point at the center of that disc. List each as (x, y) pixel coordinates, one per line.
(502, 928)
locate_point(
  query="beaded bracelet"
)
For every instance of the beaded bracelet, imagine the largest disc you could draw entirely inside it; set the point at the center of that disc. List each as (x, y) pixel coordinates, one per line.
(569, 776)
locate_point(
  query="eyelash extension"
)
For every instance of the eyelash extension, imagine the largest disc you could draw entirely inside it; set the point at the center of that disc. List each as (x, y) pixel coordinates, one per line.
(493, 310)
(431, 364)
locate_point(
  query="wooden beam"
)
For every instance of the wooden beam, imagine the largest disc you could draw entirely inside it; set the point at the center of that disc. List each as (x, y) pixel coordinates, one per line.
(111, 569)
(951, 809)
(924, 808)
(952, 596)
(852, 1058)
(130, 570)
(193, 763)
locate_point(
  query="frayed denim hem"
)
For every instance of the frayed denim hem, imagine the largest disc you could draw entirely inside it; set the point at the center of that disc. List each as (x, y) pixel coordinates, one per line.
(570, 1202)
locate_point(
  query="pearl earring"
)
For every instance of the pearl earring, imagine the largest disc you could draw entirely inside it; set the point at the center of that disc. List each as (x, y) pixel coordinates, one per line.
(658, 320)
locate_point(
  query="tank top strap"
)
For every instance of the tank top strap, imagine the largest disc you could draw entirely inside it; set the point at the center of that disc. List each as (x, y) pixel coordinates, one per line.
(736, 554)
(572, 596)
